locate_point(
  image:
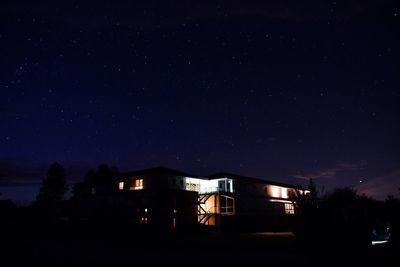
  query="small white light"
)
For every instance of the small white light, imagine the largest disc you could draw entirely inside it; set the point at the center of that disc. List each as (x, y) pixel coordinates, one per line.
(145, 210)
(379, 242)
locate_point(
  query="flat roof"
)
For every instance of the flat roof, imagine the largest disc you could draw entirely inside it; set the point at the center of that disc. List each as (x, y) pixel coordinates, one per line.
(161, 170)
(249, 179)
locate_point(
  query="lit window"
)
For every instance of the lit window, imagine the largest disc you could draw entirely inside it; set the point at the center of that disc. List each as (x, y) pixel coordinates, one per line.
(278, 192)
(229, 186)
(137, 185)
(289, 208)
(121, 185)
(284, 192)
(274, 191)
(191, 187)
(227, 205)
(93, 190)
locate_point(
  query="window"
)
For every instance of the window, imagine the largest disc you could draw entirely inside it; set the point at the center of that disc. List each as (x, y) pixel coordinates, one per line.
(289, 208)
(274, 191)
(191, 187)
(121, 185)
(221, 186)
(277, 192)
(284, 192)
(227, 205)
(229, 186)
(137, 185)
(93, 190)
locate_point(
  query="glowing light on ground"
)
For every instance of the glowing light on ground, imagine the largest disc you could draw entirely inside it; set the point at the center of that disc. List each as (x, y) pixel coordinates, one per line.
(286, 234)
(379, 242)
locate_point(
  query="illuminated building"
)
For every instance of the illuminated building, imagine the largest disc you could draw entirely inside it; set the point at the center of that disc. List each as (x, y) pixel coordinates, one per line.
(167, 198)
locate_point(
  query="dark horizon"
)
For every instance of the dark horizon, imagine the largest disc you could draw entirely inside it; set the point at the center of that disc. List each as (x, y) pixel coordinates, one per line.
(25, 191)
(276, 90)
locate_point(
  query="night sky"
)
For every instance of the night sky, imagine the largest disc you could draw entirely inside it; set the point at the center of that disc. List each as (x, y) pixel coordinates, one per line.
(280, 90)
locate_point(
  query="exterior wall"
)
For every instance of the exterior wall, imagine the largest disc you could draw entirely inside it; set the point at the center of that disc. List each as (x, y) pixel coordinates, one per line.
(177, 182)
(260, 206)
(254, 189)
(161, 209)
(166, 201)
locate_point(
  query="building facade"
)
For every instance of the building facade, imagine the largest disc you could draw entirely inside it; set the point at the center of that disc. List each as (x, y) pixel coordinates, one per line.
(169, 199)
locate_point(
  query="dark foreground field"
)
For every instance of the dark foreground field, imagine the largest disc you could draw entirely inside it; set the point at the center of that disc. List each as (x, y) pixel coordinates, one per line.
(102, 247)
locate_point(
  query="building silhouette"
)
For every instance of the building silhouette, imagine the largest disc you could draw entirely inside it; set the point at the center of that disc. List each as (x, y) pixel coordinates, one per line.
(169, 199)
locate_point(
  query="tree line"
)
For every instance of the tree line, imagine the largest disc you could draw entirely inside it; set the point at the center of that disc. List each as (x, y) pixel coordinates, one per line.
(342, 217)
(51, 197)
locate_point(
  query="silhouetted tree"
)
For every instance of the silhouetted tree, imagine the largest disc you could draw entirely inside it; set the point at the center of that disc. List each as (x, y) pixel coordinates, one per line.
(392, 207)
(342, 219)
(49, 202)
(54, 186)
(105, 175)
(84, 204)
(346, 216)
(313, 193)
(83, 188)
(102, 179)
(306, 202)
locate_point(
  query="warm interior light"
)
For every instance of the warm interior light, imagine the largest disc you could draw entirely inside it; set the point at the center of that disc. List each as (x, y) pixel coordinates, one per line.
(227, 205)
(278, 192)
(138, 184)
(174, 222)
(289, 208)
(274, 191)
(284, 192)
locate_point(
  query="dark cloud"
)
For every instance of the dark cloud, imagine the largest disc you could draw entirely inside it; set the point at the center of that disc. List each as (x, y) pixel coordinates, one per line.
(333, 172)
(24, 173)
(20, 172)
(20, 180)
